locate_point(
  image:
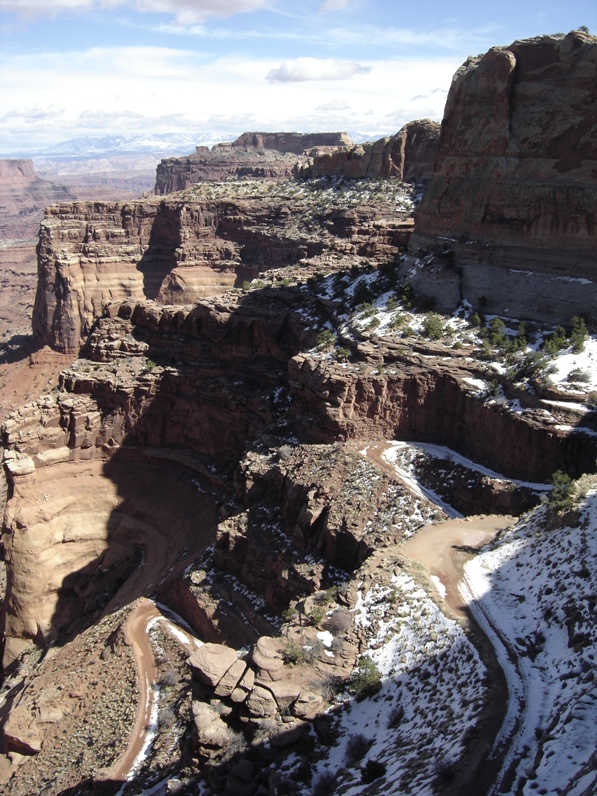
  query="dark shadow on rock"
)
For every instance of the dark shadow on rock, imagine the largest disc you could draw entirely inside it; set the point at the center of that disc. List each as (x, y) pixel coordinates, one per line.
(161, 257)
(17, 348)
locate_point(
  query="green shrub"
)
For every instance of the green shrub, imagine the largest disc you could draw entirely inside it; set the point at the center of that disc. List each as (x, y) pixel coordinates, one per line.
(579, 334)
(496, 333)
(293, 653)
(561, 497)
(317, 615)
(372, 325)
(406, 294)
(580, 376)
(341, 354)
(433, 326)
(556, 342)
(326, 339)
(365, 681)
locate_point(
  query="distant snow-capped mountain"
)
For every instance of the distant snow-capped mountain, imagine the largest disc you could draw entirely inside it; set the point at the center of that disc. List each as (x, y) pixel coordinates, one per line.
(152, 143)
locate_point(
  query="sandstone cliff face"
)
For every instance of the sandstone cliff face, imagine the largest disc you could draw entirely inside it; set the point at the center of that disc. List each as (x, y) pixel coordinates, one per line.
(295, 143)
(23, 197)
(180, 249)
(409, 155)
(270, 156)
(512, 198)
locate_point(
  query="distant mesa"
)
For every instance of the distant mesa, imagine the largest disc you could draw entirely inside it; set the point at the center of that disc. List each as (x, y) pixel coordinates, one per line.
(409, 155)
(271, 156)
(508, 220)
(23, 196)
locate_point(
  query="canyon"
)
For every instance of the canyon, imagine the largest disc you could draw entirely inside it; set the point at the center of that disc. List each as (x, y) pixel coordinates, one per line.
(208, 510)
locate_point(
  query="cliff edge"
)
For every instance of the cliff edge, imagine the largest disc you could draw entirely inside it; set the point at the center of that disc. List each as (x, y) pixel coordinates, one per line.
(508, 219)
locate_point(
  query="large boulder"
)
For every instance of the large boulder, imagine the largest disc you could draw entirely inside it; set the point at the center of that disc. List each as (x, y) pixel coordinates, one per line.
(211, 662)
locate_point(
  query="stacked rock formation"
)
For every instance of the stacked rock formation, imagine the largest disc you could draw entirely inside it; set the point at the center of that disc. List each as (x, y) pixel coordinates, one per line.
(176, 251)
(508, 220)
(409, 155)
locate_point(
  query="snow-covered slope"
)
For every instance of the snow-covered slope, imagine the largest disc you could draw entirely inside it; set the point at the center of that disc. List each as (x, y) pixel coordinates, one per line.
(537, 589)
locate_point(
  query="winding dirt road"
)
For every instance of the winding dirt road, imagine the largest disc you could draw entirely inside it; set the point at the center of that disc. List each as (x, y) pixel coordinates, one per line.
(137, 628)
(442, 550)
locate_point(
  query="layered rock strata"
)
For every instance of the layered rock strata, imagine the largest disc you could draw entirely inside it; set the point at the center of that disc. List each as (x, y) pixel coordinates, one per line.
(23, 196)
(270, 156)
(180, 249)
(508, 220)
(409, 156)
(228, 371)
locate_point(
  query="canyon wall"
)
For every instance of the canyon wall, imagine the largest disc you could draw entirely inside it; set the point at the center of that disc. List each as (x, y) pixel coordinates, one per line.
(508, 220)
(175, 251)
(409, 155)
(169, 397)
(270, 156)
(23, 196)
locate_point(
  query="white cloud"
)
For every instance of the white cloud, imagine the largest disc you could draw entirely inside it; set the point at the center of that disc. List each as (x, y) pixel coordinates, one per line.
(56, 96)
(187, 12)
(334, 105)
(334, 5)
(303, 69)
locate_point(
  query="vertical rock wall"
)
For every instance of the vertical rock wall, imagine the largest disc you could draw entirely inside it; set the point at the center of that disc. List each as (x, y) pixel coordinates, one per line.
(508, 220)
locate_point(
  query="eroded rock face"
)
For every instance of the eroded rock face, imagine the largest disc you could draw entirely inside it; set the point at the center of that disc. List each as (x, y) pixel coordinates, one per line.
(510, 210)
(409, 155)
(270, 156)
(176, 251)
(23, 196)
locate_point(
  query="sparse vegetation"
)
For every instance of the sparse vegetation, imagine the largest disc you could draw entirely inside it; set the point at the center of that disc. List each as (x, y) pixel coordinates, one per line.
(326, 339)
(433, 326)
(356, 748)
(561, 497)
(294, 654)
(365, 681)
(324, 784)
(341, 354)
(372, 770)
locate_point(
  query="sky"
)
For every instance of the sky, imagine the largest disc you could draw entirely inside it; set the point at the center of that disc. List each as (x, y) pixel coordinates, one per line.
(72, 68)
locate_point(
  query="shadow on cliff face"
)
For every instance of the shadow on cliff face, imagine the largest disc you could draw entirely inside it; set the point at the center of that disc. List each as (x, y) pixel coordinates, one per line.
(16, 348)
(160, 257)
(159, 516)
(170, 446)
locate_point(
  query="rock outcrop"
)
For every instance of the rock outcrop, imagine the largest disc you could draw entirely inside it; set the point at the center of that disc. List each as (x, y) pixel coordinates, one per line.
(270, 156)
(179, 249)
(23, 196)
(508, 220)
(409, 156)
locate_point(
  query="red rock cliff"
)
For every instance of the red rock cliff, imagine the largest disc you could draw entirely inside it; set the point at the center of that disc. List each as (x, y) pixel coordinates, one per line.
(409, 155)
(512, 200)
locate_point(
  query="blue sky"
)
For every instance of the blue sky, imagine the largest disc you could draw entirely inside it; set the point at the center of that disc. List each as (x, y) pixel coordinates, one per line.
(71, 68)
